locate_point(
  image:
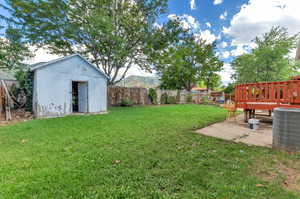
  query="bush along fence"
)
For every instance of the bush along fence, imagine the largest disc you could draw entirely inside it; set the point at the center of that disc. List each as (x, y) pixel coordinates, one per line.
(141, 96)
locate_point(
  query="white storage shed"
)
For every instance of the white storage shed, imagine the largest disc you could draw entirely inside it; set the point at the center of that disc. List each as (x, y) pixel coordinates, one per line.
(68, 85)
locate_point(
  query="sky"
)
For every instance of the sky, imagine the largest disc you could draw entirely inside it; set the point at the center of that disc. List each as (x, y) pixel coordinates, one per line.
(232, 24)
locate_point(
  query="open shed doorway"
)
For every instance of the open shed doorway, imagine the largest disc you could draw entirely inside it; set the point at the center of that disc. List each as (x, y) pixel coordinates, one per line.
(79, 97)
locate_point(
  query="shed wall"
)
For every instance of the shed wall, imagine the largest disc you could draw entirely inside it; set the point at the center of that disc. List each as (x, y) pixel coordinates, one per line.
(53, 87)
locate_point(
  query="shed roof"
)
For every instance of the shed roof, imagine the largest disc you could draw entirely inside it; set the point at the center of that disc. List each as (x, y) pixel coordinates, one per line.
(39, 65)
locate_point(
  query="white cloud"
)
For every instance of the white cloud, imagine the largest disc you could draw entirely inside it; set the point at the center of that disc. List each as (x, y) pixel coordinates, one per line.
(172, 17)
(224, 15)
(217, 2)
(225, 30)
(208, 24)
(187, 22)
(190, 23)
(226, 73)
(240, 49)
(41, 55)
(258, 16)
(3, 38)
(193, 4)
(206, 35)
(224, 44)
(293, 54)
(225, 54)
(191, 20)
(135, 70)
(157, 25)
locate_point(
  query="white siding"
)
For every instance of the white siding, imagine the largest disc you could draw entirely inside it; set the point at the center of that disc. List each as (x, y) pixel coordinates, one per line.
(53, 87)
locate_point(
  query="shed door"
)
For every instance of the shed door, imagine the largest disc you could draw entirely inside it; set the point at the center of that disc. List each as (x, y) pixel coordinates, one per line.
(83, 97)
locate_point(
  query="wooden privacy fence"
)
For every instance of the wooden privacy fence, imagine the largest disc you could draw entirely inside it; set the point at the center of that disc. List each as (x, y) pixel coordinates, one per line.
(138, 96)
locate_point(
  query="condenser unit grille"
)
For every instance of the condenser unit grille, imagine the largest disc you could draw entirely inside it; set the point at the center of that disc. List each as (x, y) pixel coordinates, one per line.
(286, 128)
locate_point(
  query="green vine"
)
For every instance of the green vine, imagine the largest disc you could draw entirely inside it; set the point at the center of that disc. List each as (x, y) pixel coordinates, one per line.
(153, 96)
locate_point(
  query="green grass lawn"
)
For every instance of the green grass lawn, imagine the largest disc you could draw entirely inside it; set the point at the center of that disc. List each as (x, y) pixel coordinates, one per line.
(139, 152)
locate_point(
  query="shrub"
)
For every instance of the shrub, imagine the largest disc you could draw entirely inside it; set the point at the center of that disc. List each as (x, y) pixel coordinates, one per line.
(171, 100)
(24, 88)
(189, 98)
(126, 102)
(205, 100)
(229, 89)
(164, 98)
(152, 96)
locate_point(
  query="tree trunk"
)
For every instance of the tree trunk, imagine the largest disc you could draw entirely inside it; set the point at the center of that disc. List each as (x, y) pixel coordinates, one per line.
(207, 85)
(188, 86)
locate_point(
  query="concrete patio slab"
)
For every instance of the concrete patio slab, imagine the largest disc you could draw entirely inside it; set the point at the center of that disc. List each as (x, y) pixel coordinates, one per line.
(238, 131)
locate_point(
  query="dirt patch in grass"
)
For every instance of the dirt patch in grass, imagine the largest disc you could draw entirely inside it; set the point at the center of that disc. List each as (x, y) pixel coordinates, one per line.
(286, 174)
(18, 116)
(292, 177)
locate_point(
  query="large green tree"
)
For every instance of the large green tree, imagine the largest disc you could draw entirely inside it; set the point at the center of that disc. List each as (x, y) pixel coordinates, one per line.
(210, 67)
(180, 70)
(269, 61)
(185, 60)
(189, 63)
(213, 82)
(112, 34)
(13, 50)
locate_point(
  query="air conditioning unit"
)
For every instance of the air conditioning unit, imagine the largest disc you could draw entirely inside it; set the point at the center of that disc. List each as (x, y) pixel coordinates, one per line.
(286, 129)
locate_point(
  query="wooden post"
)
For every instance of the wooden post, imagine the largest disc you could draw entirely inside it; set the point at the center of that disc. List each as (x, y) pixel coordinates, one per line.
(253, 113)
(7, 109)
(8, 102)
(246, 115)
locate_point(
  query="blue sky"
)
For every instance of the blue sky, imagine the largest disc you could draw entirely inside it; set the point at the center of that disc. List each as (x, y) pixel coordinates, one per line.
(233, 24)
(208, 14)
(207, 11)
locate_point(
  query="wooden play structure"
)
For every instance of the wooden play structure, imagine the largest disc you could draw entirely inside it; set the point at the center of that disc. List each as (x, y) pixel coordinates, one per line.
(12, 107)
(267, 96)
(6, 101)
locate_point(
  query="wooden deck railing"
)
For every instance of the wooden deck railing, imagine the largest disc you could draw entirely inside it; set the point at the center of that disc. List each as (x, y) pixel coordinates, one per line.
(268, 95)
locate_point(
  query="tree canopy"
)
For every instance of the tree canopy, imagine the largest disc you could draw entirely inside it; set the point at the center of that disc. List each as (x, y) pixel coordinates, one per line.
(13, 50)
(186, 60)
(269, 61)
(116, 35)
(113, 34)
